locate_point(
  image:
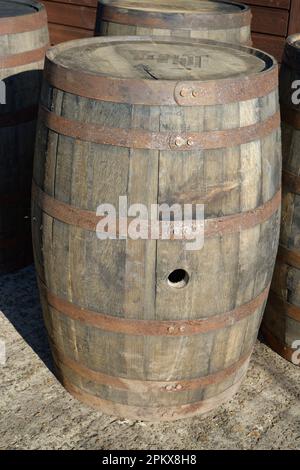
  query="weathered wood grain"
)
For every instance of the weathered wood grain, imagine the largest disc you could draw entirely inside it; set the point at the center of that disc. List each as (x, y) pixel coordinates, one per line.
(123, 337)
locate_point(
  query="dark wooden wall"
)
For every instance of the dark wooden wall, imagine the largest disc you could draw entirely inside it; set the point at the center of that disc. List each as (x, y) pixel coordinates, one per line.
(70, 19)
(273, 21)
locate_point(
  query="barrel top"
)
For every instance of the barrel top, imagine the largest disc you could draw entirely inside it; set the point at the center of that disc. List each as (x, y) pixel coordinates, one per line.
(160, 71)
(176, 6)
(158, 59)
(12, 8)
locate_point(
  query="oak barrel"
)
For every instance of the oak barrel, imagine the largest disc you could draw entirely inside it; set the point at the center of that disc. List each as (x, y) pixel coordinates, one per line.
(216, 20)
(281, 324)
(23, 43)
(149, 329)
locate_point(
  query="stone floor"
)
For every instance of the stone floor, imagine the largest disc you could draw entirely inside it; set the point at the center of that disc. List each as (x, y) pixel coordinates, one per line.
(36, 412)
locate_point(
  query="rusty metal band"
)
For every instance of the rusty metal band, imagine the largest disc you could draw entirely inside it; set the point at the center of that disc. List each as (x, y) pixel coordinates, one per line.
(278, 346)
(283, 307)
(150, 327)
(88, 220)
(159, 92)
(23, 58)
(146, 386)
(291, 182)
(140, 139)
(24, 23)
(159, 413)
(167, 20)
(290, 257)
(21, 116)
(290, 116)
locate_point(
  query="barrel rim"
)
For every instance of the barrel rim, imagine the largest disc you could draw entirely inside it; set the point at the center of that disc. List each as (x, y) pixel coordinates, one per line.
(179, 20)
(27, 22)
(91, 84)
(240, 5)
(291, 54)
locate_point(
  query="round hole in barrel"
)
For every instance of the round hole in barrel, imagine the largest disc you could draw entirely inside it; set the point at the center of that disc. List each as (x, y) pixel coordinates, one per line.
(178, 278)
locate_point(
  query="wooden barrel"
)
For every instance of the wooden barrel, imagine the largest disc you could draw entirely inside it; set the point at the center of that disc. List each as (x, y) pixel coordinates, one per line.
(217, 20)
(23, 42)
(142, 328)
(281, 324)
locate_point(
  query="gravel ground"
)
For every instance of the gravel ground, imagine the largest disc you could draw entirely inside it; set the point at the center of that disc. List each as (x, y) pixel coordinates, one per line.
(37, 413)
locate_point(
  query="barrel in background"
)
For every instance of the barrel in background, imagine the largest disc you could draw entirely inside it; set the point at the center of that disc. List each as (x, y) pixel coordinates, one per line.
(281, 324)
(217, 20)
(23, 43)
(146, 328)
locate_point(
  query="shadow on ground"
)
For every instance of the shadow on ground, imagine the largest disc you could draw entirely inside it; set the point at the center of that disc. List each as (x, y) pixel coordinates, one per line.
(19, 302)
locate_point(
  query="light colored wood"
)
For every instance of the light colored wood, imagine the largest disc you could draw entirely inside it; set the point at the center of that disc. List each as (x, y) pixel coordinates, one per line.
(129, 279)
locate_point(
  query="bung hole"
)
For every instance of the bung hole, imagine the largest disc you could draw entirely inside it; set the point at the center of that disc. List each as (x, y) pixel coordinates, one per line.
(178, 278)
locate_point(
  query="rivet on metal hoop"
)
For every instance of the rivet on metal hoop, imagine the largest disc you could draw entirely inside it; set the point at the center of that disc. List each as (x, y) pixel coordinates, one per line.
(179, 141)
(184, 92)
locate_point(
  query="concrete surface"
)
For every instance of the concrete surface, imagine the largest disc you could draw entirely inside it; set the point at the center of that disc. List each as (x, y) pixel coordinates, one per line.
(36, 412)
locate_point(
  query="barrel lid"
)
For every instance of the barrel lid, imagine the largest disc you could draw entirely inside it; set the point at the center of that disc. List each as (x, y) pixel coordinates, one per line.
(178, 14)
(291, 54)
(155, 63)
(177, 6)
(11, 8)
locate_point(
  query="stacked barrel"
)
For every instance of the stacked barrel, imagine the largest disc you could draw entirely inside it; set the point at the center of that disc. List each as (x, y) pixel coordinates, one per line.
(217, 20)
(281, 325)
(23, 43)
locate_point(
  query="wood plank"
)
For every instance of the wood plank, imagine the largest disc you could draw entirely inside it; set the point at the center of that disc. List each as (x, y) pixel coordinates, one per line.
(60, 33)
(285, 4)
(270, 21)
(71, 15)
(274, 45)
(294, 19)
